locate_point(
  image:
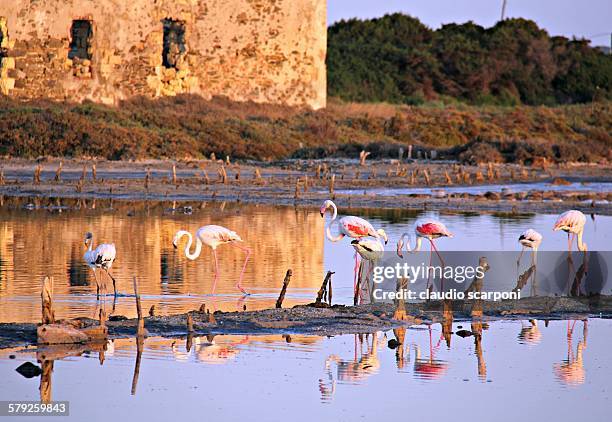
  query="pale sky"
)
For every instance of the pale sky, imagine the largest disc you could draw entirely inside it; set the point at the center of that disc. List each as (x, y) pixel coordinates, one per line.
(580, 18)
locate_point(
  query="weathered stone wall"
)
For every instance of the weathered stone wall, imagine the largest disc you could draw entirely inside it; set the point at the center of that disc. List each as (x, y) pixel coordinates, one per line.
(260, 50)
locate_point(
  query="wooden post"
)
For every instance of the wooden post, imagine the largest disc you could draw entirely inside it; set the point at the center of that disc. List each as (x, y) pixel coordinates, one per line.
(37, 171)
(449, 181)
(410, 152)
(331, 185)
(48, 316)
(152, 310)
(84, 173)
(362, 157)
(189, 323)
(174, 181)
(140, 328)
(2, 176)
(147, 179)
(139, 348)
(94, 172)
(257, 174)
(223, 175)
(490, 173)
(206, 178)
(281, 297)
(323, 288)
(58, 172)
(296, 195)
(426, 175)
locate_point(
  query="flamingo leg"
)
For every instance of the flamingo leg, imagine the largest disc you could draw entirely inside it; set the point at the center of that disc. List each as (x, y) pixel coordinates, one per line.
(216, 271)
(114, 282)
(433, 246)
(248, 254)
(518, 261)
(355, 274)
(97, 284)
(428, 288)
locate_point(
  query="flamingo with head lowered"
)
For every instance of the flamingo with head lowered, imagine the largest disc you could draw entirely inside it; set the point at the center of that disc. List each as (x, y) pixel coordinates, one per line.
(572, 222)
(370, 250)
(429, 229)
(351, 226)
(213, 236)
(529, 239)
(102, 257)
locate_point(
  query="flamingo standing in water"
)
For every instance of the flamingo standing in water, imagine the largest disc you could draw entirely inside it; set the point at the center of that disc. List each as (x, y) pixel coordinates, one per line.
(213, 236)
(431, 230)
(529, 239)
(572, 222)
(370, 250)
(351, 226)
(101, 257)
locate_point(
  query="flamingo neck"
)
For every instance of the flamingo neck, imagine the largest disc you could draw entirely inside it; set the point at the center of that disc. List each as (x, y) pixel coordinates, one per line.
(198, 246)
(329, 224)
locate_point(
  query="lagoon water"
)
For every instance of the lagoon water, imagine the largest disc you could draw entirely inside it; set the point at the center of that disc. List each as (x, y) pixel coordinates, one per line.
(39, 242)
(516, 370)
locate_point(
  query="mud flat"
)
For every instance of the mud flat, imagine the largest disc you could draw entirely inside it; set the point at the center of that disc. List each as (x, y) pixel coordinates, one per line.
(335, 320)
(434, 185)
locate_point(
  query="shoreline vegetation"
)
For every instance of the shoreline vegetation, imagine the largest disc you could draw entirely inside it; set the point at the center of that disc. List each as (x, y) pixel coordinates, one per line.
(190, 127)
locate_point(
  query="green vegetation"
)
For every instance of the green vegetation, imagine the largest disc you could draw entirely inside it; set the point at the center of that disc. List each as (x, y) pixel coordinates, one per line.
(397, 59)
(191, 127)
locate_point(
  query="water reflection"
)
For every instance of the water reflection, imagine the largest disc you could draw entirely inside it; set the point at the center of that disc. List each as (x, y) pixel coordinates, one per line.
(38, 243)
(352, 365)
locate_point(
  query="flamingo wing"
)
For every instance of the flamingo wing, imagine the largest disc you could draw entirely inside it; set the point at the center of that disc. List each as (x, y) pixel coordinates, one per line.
(105, 254)
(356, 227)
(531, 236)
(432, 228)
(571, 220)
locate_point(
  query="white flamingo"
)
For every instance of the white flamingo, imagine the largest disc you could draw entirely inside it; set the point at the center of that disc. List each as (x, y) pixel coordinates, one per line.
(213, 236)
(572, 222)
(370, 250)
(351, 226)
(529, 239)
(102, 257)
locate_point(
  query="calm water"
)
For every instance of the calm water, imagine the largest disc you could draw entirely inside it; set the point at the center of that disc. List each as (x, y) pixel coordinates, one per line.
(517, 370)
(39, 242)
(482, 189)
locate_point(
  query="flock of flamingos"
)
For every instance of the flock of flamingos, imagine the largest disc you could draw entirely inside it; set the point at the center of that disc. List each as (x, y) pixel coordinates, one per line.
(366, 240)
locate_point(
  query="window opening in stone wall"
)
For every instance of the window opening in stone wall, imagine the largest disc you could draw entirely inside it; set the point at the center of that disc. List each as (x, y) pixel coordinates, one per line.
(174, 43)
(3, 38)
(81, 34)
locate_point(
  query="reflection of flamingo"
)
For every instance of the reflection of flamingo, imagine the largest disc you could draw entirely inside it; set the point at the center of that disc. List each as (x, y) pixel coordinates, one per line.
(530, 334)
(351, 226)
(429, 368)
(101, 257)
(571, 370)
(213, 236)
(572, 222)
(354, 371)
(370, 250)
(529, 239)
(429, 229)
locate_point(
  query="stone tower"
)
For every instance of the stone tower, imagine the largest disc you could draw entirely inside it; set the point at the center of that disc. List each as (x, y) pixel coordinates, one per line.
(109, 50)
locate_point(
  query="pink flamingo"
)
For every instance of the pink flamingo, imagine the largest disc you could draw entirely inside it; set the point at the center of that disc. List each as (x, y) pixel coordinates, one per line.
(351, 226)
(529, 239)
(213, 236)
(572, 222)
(429, 229)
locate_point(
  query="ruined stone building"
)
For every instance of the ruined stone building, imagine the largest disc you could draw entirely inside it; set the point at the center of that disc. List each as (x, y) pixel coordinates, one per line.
(110, 50)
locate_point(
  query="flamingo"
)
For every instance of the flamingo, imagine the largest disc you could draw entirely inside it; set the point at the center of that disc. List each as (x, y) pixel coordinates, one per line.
(101, 257)
(572, 222)
(370, 250)
(529, 239)
(429, 229)
(351, 226)
(213, 236)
